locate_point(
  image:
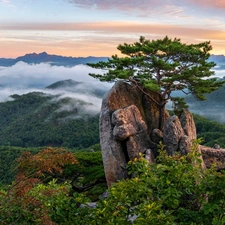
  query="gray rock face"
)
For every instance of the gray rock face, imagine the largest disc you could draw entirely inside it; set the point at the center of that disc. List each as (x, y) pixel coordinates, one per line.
(185, 145)
(172, 134)
(157, 135)
(130, 128)
(213, 156)
(216, 146)
(149, 156)
(125, 127)
(127, 122)
(129, 125)
(188, 124)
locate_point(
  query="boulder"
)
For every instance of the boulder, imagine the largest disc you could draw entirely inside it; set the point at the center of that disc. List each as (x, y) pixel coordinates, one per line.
(188, 124)
(185, 145)
(157, 136)
(131, 130)
(213, 156)
(216, 146)
(172, 134)
(126, 120)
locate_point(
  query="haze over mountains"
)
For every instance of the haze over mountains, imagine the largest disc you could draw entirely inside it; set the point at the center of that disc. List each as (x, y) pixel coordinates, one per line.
(62, 114)
(68, 77)
(57, 60)
(34, 72)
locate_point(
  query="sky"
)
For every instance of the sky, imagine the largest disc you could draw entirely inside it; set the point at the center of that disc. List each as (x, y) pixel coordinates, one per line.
(96, 27)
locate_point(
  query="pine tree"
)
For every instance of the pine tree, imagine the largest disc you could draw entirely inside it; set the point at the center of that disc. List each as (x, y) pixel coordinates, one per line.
(163, 66)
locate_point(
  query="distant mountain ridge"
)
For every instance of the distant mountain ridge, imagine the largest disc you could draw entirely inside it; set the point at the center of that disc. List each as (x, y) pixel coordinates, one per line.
(76, 87)
(62, 84)
(217, 58)
(58, 60)
(34, 58)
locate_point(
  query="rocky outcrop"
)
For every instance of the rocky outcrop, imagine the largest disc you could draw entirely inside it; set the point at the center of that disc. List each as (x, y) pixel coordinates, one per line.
(129, 125)
(179, 133)
(212, 156)
(125, 128)
(172, 134)
(188, 124)
(131, 131)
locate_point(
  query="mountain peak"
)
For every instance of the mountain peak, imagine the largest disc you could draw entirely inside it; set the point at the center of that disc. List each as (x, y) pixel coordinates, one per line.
(34, 54)
(62, 84)
(43, 53)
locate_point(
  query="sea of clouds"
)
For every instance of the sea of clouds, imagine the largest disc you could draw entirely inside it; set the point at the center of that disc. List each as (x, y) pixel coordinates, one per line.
(23, 78)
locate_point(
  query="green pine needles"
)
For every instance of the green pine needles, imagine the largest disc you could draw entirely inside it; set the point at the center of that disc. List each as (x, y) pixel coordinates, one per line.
(163, 66)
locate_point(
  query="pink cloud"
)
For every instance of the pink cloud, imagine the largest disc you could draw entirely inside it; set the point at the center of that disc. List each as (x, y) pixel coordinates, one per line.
(143, 8)
(99, 39)
(143, 5)
(117, 4)
(146, 8)
(120, 28)
(219, 4)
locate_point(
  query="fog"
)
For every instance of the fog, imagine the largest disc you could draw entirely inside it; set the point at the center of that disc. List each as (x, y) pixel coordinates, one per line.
(23, 78)
(23, 75)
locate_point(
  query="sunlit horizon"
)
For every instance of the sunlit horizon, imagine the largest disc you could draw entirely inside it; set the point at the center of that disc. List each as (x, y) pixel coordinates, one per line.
(83, 28)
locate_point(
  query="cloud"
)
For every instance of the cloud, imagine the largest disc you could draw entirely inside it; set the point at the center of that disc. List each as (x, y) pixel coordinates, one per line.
(145, 5)
(5, 1)
(97, 34)
(218, 4)
(117, 4)
(23, 78)
(76, 102)
(215, 113)
(42, 75)
(141, 8)
(219, 73)
(144, 8)
(111, 28)
(8, 3)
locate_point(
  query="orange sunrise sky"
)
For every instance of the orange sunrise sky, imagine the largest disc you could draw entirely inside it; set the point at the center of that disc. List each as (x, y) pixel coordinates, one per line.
(96, 27)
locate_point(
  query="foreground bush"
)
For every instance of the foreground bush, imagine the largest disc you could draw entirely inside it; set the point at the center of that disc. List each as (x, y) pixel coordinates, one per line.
(175, 190)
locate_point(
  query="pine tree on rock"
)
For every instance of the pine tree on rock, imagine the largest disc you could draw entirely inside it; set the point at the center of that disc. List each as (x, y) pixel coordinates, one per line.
(163, 66)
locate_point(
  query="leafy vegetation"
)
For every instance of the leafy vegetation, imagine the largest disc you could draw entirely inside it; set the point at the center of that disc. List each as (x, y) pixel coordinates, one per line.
(86, 176)
(8, 156)
(175, 190)
(30, 201)
(210, 131)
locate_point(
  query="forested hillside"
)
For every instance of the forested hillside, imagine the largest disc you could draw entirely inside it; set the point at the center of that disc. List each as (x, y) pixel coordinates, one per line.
(37, 119)
(212, 108)
(34, 120)
(210, 131)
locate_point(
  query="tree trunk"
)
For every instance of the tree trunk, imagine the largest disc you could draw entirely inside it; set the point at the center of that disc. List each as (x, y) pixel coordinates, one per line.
(161, 116)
